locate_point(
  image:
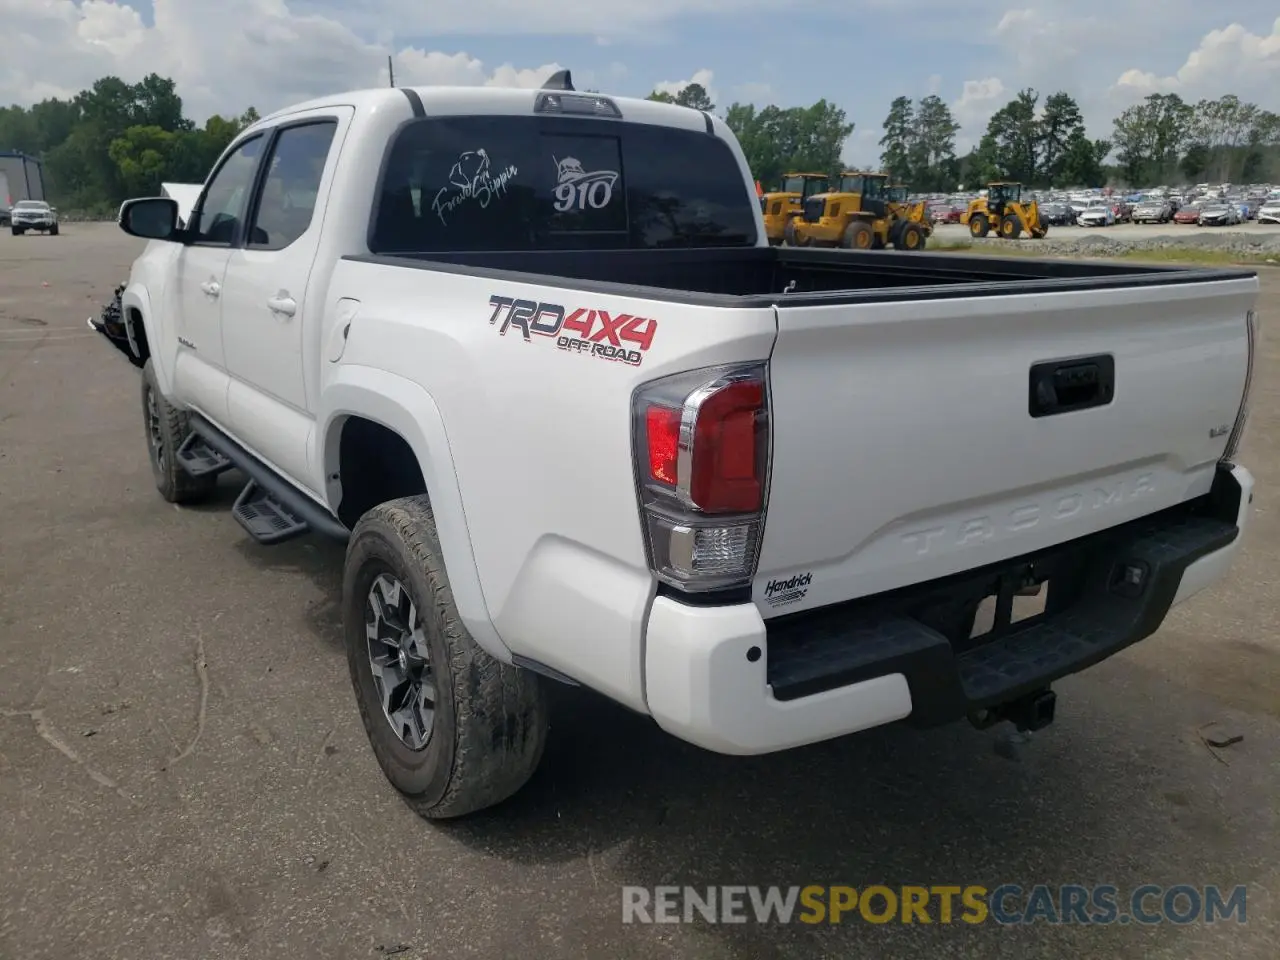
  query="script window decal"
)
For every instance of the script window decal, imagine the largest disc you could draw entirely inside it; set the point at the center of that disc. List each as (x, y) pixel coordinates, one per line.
(472, 179)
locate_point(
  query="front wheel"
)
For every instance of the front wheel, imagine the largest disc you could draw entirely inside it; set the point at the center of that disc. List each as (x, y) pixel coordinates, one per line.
(53, 231)
(911, 238)
(453, 729)
(167, 428)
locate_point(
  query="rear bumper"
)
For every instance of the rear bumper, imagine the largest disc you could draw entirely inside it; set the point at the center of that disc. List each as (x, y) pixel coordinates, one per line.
(723, 678)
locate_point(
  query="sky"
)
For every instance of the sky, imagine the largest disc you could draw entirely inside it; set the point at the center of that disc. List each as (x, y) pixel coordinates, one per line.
(975, 54)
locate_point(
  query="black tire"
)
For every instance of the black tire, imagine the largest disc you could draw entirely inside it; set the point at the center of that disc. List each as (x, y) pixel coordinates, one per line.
(53, 231)
(490, 719)
(858, 235)
(789, 236)
(166, 428)
(979, 225)
(17, 231)
(910, 238)
(1010, 227)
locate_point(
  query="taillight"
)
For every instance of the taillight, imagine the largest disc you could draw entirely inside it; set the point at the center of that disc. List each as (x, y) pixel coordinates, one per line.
(702, 458)
(1242, 415)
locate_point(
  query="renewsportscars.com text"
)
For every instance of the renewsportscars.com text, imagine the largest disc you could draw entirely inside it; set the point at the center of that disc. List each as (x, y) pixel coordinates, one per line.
(1005, 904)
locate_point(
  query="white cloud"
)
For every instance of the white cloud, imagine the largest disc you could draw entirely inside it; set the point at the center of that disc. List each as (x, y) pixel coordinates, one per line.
(223, 57)
(612, 19)
(756, 92)
(704, 77)
(1229, 60)
(978, 100)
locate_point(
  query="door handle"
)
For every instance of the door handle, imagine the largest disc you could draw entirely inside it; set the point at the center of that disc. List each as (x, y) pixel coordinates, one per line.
(282, 303)
(211, 288)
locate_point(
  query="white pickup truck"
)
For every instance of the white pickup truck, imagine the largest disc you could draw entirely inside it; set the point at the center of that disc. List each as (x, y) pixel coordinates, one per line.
(530, 354)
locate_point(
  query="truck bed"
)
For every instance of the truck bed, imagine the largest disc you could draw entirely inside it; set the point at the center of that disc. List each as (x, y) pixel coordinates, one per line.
(758, 276)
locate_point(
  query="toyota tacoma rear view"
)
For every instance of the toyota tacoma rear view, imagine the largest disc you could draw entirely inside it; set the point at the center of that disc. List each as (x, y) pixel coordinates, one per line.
(531, 355)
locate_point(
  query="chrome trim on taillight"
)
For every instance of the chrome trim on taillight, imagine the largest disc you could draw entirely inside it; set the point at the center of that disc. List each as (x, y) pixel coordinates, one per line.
(686, 547)
(1242, 415)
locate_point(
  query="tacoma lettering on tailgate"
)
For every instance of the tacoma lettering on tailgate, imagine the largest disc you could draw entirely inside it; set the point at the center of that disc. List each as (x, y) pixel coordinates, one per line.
(970, 531)
(582, 330)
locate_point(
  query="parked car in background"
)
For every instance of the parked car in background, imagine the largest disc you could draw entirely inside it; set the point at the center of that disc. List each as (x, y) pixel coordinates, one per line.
(1188, 214)
(33, 215)
(1219, 214)
(1269, 212)
(944, 213)
(1153, 210)
(1057, 214)
(1099, 213)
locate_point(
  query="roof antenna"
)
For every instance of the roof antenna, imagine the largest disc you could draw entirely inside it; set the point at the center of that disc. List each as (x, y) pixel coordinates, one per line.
(391, 70)
(560, 80)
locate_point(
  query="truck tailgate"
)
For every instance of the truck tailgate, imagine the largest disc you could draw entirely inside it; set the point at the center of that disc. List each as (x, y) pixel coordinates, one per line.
(912, 439)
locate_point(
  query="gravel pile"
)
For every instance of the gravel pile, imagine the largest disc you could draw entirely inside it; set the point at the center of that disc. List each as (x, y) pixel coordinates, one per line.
(1095, 243)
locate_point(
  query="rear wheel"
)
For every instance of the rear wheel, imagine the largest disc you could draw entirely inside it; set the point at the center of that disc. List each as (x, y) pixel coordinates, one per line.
(858, 235)
(53, 231)
(17, 231)
(453, 729)
(1010, 227)
(167, 428)
(979, 225)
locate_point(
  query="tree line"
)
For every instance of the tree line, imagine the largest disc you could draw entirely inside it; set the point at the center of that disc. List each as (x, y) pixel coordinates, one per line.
(118, 140)
(1038, 141)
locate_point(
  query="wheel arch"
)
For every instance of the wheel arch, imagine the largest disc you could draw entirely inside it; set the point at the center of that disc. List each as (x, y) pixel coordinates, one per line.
(361, 395)
(135, 314)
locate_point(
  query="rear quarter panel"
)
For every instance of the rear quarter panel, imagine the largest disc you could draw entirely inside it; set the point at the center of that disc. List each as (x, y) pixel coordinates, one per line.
(540, 439)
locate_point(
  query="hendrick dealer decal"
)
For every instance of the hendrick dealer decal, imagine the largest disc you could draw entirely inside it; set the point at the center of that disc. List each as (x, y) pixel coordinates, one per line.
(780, 593)
(588, 332)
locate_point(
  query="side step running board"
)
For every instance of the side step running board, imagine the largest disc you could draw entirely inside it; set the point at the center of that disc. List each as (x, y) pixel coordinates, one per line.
(266, 519)
(201, 460)
(269, 508)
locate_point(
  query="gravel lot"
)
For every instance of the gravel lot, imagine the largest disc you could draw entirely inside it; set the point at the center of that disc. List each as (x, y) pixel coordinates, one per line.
(183, 773)
(1247, 238)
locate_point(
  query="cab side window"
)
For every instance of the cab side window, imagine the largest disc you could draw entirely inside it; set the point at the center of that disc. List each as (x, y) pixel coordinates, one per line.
(221, 210)
(289, 190)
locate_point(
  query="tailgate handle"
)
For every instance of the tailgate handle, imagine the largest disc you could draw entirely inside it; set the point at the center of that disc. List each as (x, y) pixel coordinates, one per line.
(1061, 386)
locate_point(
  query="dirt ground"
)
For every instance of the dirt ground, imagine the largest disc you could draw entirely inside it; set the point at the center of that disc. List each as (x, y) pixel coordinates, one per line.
(183, 773)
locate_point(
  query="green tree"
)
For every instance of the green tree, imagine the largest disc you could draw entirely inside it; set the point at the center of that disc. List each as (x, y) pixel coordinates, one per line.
(1012, 140)
(693, 95)
(1061, 131)
(1149, 136)
(899, 140)
(144, 156)
(933, 155)
(777, 140)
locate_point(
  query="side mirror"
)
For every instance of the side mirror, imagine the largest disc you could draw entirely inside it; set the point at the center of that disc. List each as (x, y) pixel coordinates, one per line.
(151, 218)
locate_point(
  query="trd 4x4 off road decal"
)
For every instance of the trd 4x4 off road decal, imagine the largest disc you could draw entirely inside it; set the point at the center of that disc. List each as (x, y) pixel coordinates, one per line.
(582, 330)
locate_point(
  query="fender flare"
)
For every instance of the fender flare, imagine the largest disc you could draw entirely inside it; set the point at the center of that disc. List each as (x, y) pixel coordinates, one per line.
(136, 297)
(408, 410)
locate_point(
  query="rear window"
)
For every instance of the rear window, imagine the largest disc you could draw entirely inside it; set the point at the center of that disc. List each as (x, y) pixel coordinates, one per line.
(524, 183)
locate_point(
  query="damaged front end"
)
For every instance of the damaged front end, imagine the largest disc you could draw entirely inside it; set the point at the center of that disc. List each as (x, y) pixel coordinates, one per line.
(112, 325)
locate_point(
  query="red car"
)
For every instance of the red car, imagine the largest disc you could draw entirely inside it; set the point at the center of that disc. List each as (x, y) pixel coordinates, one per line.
(944, 213)
(1188, 214)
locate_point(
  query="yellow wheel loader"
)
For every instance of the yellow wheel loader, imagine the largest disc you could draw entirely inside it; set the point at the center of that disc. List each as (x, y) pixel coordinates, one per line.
(781, 205)
(855, 215)
(1004, 211)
